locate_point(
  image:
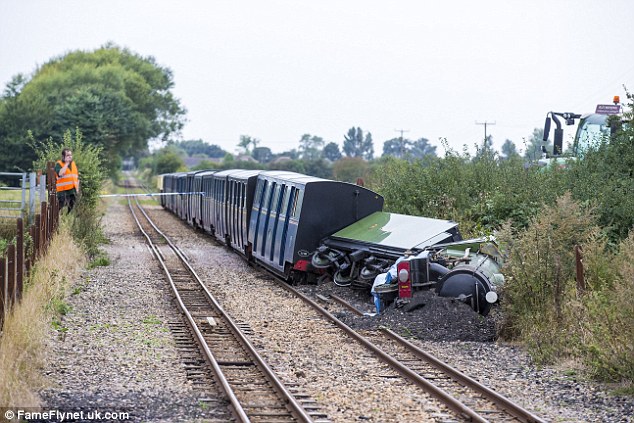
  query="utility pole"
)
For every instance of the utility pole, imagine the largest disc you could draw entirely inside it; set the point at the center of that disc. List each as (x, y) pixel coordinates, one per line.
(401, 144)
(485, 123)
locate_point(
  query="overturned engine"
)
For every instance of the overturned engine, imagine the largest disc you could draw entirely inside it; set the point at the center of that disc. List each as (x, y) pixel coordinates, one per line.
(466, 270)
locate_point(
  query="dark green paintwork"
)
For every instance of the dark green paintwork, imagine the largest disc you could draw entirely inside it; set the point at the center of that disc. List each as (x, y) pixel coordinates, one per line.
(397, 230)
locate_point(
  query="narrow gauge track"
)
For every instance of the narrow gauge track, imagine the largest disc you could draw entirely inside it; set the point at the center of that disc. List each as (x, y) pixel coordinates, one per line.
(251, 387)
(464, 395)
(467, 404)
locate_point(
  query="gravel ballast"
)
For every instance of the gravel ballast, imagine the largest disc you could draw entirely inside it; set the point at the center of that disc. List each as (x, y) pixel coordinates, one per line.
(118, 352)
(115, 351)
(453, 332)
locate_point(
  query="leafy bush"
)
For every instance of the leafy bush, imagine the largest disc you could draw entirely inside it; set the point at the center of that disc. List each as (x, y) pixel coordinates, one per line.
(86, 218)
(607, 329)
(605, 178)
(479, 192)
(86, 156)
(540, 269)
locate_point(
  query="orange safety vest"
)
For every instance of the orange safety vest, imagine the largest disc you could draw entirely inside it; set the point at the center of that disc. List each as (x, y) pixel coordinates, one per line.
(70, 179)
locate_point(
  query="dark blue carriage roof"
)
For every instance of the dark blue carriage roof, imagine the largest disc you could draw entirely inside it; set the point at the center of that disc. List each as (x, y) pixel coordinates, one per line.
(243, 175)
(195, 172)
(204, 173)
(226, 173)
(298, 178)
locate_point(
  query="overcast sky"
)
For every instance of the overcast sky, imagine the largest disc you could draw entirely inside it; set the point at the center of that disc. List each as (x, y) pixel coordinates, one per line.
(278, 69)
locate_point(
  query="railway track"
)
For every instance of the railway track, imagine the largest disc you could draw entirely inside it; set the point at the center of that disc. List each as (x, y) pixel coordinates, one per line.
(251, 387)
(466, 398)
(464, 395)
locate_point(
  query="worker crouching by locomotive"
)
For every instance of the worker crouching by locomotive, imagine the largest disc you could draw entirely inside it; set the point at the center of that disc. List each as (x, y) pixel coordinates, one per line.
(451, 270)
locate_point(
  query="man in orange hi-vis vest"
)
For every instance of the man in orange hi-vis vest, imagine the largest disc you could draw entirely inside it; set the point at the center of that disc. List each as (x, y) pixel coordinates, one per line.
(67, 180)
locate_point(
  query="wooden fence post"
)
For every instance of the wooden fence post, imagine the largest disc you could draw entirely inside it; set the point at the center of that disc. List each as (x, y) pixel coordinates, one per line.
(37, 233)
(11, 294)
(43, 227)
(19, 246)
(581, 282)
(3, 289)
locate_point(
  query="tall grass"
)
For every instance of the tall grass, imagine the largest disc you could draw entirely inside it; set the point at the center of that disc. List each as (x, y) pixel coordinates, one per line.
(22, 351)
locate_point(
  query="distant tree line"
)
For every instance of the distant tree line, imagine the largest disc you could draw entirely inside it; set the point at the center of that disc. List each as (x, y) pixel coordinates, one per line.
(120, 101)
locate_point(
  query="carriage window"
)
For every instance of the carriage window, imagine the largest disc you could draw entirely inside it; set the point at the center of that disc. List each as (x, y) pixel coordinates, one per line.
(276, 197)
(258, 192)
(284, 207)
(297, 207)
(267, 194)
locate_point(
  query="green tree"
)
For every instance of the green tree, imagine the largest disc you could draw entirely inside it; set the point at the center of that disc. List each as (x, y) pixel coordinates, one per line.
(310, 147)
(349, 169)
(486, 150)
(290, 165)
(198, 147)
(509, 150)
(332, 152)
(168, 161)
(534, 145)
(118, 99)
(356, 145)
(318, 168)
(396, 147)
(405, 148)
(248, 143)
(421, 148)
(262, 154)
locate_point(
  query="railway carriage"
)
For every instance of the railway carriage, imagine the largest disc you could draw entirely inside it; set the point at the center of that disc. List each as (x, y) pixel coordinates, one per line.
(292, 213)
(170, 186)
(241, 189)
(180, 202)
(197, 200)
(219, 205)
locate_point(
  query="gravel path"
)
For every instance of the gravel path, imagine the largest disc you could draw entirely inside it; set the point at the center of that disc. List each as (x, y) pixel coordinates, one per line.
(117, 352)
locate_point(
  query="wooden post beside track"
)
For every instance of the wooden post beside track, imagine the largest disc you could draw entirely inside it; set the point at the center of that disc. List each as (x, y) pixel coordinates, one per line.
(19, 245)
(11, 294)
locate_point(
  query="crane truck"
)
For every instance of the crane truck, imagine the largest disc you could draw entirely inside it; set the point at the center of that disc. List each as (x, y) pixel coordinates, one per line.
(592, 129)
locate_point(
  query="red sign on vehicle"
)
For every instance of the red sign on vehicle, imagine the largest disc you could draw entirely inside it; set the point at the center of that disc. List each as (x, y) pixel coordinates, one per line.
(608, 109)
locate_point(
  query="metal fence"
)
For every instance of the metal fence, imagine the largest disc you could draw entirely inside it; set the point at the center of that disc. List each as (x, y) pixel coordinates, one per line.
(31, 187)
(28, 246)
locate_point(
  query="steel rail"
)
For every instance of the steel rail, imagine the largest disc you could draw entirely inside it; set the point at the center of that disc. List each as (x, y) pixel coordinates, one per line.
(499, 400)
(453, 404)
(236, 407)
(295, 407)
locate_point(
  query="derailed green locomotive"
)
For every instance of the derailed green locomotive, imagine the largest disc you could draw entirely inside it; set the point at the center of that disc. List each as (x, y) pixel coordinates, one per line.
(305, 228)
(394, 255)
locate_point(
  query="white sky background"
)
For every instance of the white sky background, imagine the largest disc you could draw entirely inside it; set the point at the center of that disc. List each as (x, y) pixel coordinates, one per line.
(278, 69)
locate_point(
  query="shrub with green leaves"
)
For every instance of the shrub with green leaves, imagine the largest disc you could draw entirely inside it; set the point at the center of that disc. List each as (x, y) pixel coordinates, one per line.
(477, 192)
(85, 219)
(540, 271)
(87, 157)
(608, 328)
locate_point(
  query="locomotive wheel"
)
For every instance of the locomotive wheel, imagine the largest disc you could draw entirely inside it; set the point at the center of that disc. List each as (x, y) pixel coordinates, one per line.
(325, 259)
(342, 280)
